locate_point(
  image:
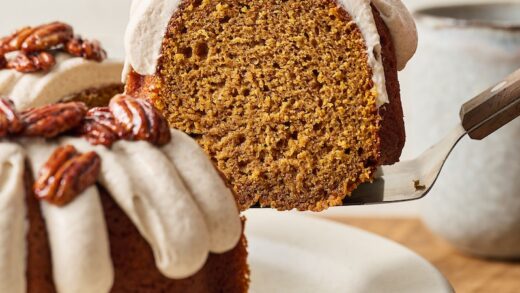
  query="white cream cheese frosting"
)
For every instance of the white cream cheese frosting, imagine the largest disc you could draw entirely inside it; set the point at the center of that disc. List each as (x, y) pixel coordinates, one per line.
(212, 196)
(13, 216)
(173, 194)
(149, 21)
(71, 75)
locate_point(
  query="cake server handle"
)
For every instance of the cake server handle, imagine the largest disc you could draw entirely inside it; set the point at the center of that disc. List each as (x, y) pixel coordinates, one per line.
(492, 109)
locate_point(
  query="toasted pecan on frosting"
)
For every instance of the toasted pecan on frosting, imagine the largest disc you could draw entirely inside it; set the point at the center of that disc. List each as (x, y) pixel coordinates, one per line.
(140, 120)
(37, 39)
(32, 62)
(90, 50)
(52, 120)
(36, 47)
(66, 174)
(10, 122)
(100, 127)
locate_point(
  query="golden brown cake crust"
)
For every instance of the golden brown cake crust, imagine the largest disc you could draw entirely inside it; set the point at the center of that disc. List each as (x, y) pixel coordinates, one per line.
(273, 152)
(392, 132)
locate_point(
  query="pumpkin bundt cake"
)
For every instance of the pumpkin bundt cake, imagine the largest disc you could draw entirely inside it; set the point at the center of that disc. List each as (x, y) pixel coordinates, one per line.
(107, 199)
(296, 101)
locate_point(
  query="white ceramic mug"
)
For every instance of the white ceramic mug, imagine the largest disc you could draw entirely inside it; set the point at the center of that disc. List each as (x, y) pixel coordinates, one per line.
(462, 51)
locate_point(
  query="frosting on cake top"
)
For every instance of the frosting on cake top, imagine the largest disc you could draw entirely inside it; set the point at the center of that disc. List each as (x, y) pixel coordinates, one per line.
(70, 76)
(13, 219)
(149, 21)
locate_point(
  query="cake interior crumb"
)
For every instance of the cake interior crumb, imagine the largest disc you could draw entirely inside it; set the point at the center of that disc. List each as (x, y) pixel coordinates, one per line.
(280, 95)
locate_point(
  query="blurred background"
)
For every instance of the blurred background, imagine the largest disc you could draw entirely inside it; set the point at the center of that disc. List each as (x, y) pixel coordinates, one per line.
(106, 20)
(476, 205)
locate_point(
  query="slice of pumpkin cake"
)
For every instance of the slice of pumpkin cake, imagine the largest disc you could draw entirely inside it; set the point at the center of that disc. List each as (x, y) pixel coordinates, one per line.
(296, 102)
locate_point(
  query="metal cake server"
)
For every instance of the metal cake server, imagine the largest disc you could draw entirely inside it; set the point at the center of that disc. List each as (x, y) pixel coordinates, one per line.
(413, 179)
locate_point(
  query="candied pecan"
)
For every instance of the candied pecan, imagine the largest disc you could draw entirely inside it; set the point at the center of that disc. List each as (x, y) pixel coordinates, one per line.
(10, 122)
(33, 62)
(52, 120)
(100, 128)
(90, 50)
(66, 174)
(14, 41)
(140, 120)
(60, 156)
(47, 36)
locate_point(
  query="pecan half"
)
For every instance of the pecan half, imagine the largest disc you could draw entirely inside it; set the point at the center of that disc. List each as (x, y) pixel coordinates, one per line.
(10, 122)
(47, 36)
(90, 50)
(33, 62)
(14, 41)
(100, 128)
(53, 120)
(140, 120)
(66, 175)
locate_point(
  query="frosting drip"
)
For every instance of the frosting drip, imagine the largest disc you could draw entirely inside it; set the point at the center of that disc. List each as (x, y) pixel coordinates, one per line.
(12, 219)
(149, 21)
(71, 75)
(211, 195)
(77, 233)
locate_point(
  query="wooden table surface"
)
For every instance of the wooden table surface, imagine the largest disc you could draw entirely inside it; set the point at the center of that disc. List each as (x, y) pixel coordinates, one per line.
(465, 273)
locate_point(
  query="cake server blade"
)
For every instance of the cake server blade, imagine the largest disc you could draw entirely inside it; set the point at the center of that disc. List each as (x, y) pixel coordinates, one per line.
(407, 180)
(414, 179)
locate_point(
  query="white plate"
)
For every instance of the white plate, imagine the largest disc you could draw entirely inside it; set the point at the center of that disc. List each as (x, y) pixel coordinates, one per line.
(297, 253)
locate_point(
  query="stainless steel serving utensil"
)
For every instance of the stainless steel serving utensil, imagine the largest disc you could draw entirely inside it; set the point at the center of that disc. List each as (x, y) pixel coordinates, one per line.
(413, 179)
